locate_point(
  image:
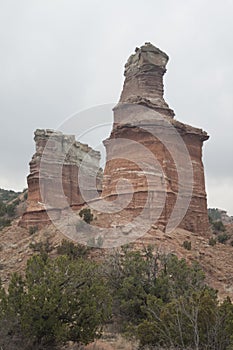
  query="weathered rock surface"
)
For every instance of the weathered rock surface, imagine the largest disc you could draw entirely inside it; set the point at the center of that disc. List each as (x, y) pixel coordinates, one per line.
(144, 78)
(53, 182)
(159, 156)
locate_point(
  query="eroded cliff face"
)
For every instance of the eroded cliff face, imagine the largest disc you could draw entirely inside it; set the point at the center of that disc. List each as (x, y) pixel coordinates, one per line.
(154, 172)
(53, 182)
(162, 158)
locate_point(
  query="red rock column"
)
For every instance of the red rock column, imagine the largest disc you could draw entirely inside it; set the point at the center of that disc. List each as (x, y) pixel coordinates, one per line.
(143, 86)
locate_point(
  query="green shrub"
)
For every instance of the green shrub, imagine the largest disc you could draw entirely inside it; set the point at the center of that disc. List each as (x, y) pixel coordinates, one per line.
(223, 238)
(41, 246)
(72, 250)
(4, 223)
(16, 202)
(2, 208)
(58, 300)
(187, 245)
(7, 196)
(214, 214)
(218, 226)
(86, 215)
(33, 229)
(212, 241)
(168, 306)
(10, 209)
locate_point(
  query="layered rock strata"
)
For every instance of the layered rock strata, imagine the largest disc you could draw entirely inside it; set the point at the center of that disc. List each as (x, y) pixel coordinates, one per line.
(154, 173)
(53, 182)
(160, 158)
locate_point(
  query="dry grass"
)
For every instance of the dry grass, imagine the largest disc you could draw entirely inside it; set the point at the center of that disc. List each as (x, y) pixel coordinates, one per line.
(118, 344)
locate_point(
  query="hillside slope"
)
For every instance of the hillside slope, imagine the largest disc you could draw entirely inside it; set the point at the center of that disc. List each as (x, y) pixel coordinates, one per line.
(17, 245)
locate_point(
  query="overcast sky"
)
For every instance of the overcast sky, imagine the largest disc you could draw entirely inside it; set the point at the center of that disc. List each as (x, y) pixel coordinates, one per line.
(59, 57)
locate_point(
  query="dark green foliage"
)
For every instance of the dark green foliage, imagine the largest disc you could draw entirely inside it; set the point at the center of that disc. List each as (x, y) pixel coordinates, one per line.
(214, 214)
(165, 303)
(218, 226)
(187, 245)
(176, 278)
(33, 229)
(12, 337)
(10, 209)
(8, 204)
(212, 241)
(131, 276)
(86, 215)
(222, 238)
(41, 247)
(188, 322)
(7, 195)
(25, 196)
(157, 298)
(2, 208)
(73, 251)
(16, 201)
(210, 219)
(58, 300)
(4, 223)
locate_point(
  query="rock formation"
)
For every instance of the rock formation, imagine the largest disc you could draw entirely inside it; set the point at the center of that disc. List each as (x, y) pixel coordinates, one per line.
(154, 168)
(145, 127)
(53, 182)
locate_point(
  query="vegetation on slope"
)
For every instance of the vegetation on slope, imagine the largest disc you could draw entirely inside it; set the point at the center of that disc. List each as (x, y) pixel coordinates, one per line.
(159, 300)
(9, 200)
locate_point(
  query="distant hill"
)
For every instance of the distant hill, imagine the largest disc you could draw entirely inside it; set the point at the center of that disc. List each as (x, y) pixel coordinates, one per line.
(11, 205)
(216, 214)
(8, 195)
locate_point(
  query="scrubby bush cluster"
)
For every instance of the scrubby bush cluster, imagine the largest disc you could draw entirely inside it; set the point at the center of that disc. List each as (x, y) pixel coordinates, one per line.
(8, 195)
(86, 215)
(214, 214)
(166, 304)
(58, 300)
(222, 238)
(8, 204)
(156, 299)
(33, 229)
(218, 226)
(73, 251)
(187, 245)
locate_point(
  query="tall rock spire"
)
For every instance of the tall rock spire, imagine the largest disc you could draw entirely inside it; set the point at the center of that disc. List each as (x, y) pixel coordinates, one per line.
(144, 72)
(159, 156)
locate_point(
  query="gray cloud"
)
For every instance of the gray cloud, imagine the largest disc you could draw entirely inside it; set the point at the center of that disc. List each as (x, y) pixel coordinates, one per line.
(59, 57)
